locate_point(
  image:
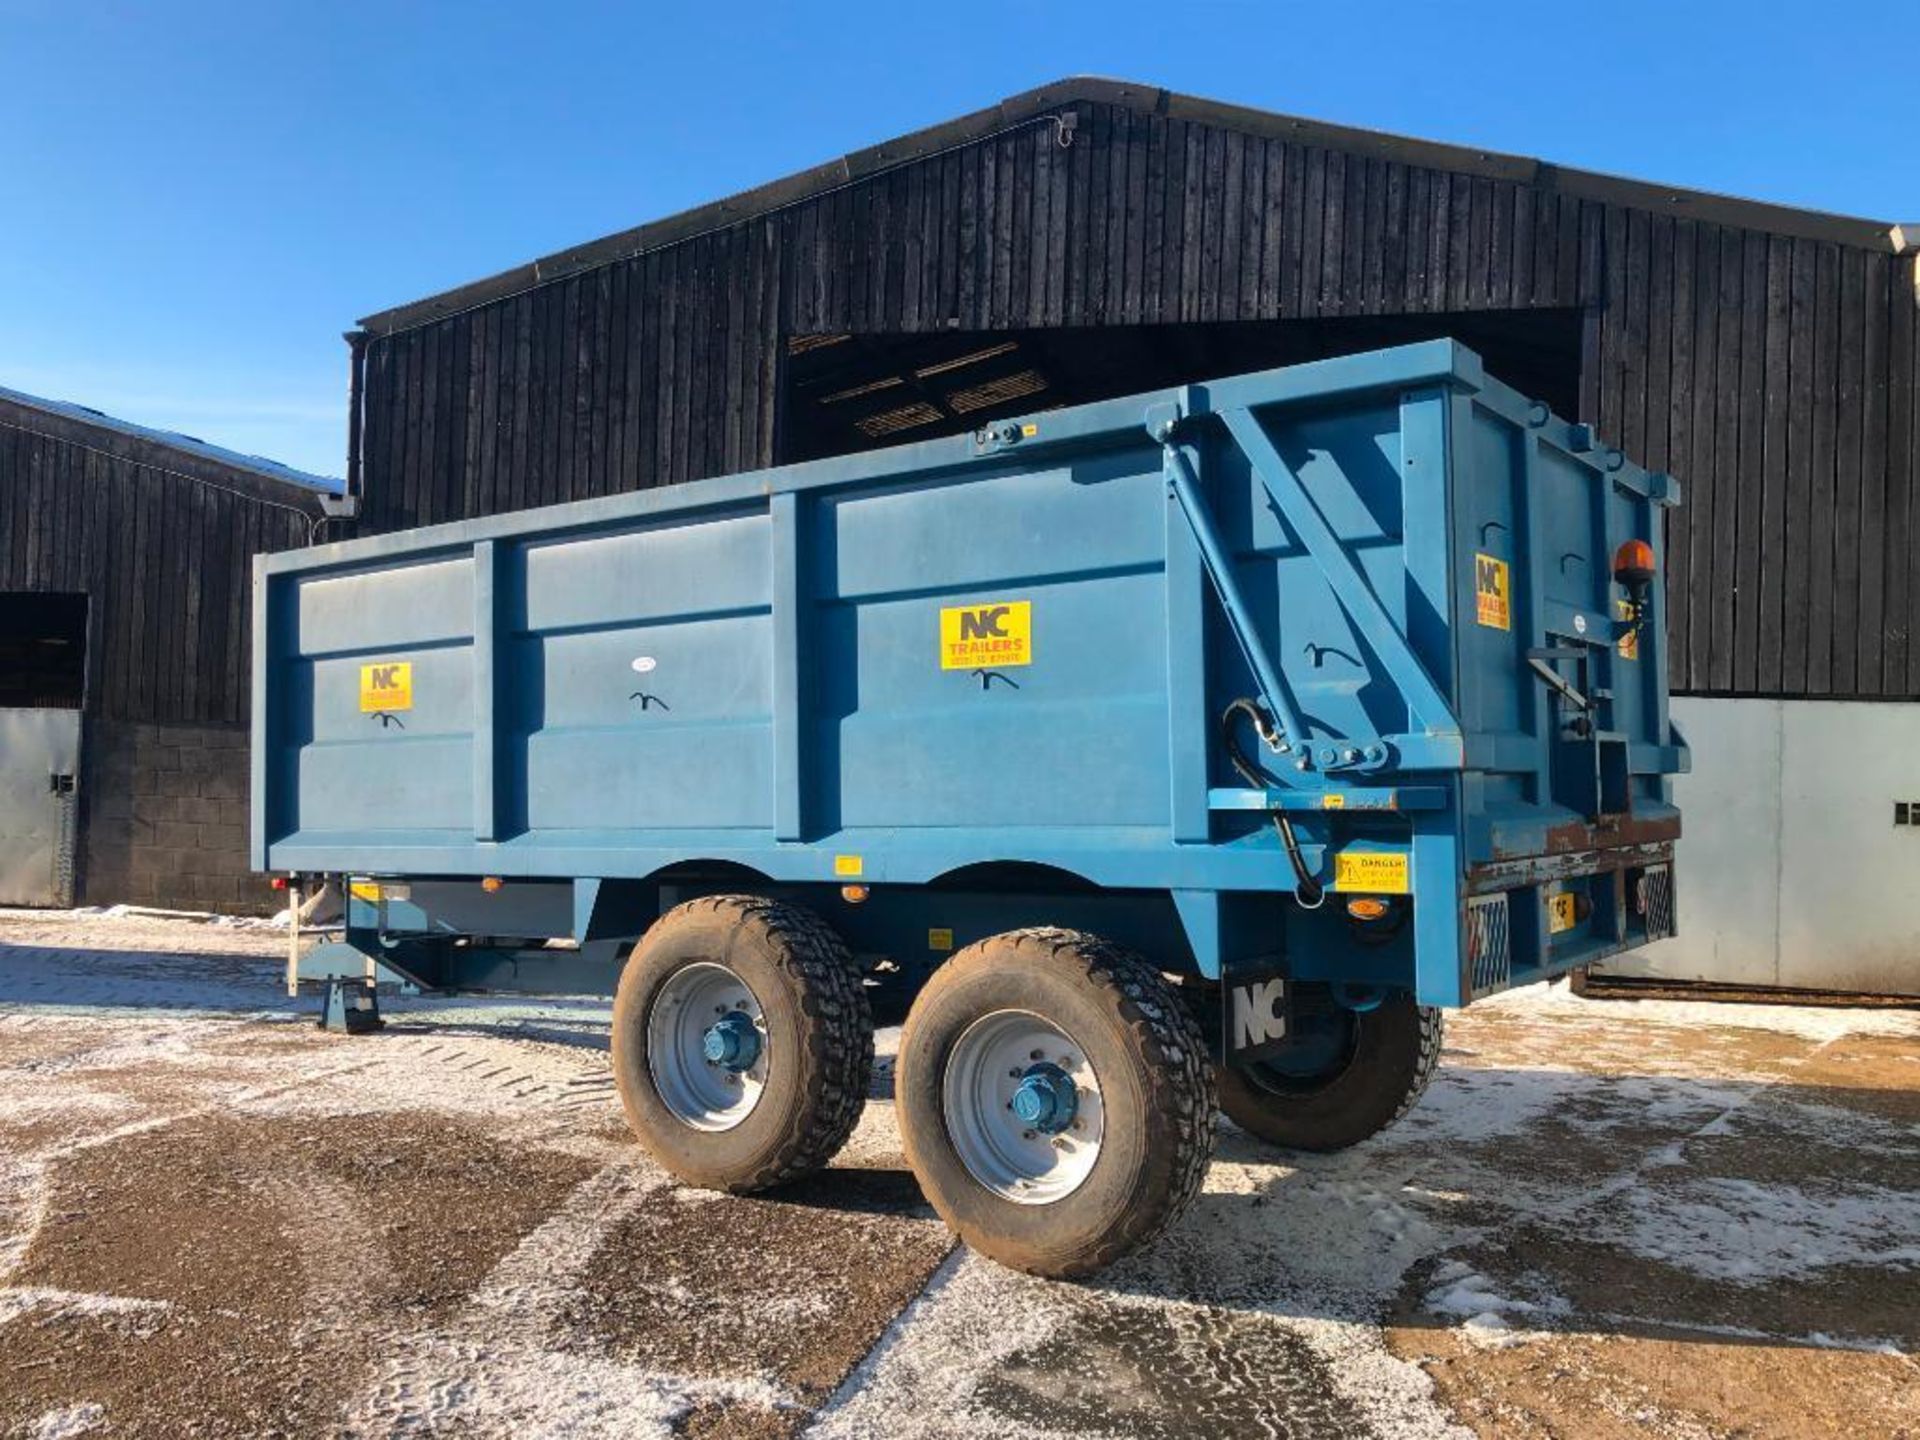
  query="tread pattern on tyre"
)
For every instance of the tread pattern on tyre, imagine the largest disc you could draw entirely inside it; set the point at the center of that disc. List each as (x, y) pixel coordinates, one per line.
(1433, 1035)
(835, 1074)
(1181, 1086)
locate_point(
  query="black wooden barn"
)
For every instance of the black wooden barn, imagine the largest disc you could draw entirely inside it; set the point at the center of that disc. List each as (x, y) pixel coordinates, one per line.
(1095, 237)
(125, 655)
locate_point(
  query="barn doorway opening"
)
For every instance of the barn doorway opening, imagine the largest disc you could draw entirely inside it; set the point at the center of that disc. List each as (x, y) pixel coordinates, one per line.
(43, 650)
(43, 670)
(852, 392)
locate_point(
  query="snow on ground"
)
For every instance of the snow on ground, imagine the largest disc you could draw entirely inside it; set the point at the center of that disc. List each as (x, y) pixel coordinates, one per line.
(65, 1424)
(1724, 1228)
(1488, 1314)
(1805, 1022)
(492, 1371)
(1579, 1170)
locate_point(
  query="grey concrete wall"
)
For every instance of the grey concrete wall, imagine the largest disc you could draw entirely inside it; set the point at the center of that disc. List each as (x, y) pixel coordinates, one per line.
(1791, 870)
(164, 818)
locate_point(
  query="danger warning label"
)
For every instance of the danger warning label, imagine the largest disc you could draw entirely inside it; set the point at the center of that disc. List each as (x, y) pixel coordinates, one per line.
(1382, 872)
(1492, 592)
(994, 636)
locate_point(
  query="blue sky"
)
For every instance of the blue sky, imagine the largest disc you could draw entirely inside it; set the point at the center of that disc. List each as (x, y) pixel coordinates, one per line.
(197, 198)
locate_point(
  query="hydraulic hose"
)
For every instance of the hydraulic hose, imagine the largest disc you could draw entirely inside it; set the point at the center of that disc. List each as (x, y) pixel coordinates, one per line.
(1308, 892)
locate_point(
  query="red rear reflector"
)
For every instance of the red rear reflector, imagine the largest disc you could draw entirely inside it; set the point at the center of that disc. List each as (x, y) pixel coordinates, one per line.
(279, 882)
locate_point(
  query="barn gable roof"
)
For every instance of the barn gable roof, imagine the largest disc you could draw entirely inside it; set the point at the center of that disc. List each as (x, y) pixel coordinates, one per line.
(164, 449)
(1149, 100)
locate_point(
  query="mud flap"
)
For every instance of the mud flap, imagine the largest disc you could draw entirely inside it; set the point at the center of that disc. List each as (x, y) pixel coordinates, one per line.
(1253, 1014)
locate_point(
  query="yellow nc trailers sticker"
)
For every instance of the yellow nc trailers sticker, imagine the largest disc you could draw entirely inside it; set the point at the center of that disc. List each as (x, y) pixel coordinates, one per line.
(386, 686)
(996, 635)
(1492, 592)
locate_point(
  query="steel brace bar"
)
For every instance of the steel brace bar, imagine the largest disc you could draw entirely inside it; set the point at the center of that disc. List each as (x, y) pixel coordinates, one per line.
(1185, 488)
(1356, 597)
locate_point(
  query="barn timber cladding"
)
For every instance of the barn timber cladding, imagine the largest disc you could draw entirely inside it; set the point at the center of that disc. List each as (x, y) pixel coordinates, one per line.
(159, 537)
(133, 549)
(1765, 355)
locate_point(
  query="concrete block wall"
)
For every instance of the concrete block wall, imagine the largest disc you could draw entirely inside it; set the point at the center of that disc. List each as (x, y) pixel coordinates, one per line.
(164, 818)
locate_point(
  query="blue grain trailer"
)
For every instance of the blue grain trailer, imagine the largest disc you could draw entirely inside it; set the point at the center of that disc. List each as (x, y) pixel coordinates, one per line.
(1185, 750)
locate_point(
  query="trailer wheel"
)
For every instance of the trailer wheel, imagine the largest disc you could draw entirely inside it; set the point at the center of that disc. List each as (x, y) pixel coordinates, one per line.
(1346, 1085)
(742, 1043)
(1055, 1100)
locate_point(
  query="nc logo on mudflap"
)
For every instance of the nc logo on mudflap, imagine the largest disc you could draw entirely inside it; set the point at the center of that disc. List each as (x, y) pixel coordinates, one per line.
(1258, 1014)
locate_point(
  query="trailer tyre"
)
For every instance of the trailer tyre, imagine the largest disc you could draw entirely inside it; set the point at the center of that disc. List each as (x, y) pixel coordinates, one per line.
(1055, 1100)
(742, 1042)
(1372, 1079)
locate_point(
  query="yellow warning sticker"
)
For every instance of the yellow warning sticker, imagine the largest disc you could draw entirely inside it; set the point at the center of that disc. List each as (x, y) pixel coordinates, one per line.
(990, 636)
(1333, 800)
(939, 938)
(1376, 872)
(386, 686)
(848, 865)
(1560, 914)
(1492, 592)
(1629, 646)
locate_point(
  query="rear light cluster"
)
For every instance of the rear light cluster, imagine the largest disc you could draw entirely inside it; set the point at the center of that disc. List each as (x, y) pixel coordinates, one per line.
(1651, 893)
(1489, 943)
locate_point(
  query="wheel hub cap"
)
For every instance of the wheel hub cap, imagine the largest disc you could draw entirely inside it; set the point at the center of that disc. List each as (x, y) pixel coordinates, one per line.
(1046, 1099)
(732, 1041)
(1023, 1107)
(708, 1051)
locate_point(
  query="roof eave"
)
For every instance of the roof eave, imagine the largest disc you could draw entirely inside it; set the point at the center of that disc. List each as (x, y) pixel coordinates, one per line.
(1150, 100)
(140, 446)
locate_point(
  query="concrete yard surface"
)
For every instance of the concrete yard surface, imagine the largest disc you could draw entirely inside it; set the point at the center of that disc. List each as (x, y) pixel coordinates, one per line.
(1605, 1219)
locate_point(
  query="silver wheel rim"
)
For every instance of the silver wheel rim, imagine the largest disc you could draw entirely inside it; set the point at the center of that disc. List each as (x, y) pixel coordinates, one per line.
(703, 1092)
(994, 1058)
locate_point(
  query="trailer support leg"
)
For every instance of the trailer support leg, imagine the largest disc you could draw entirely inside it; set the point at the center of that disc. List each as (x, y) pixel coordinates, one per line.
(352, 1008)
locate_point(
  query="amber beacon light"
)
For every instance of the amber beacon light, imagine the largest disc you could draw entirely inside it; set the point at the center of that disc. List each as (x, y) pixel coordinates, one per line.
(1633, 564)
